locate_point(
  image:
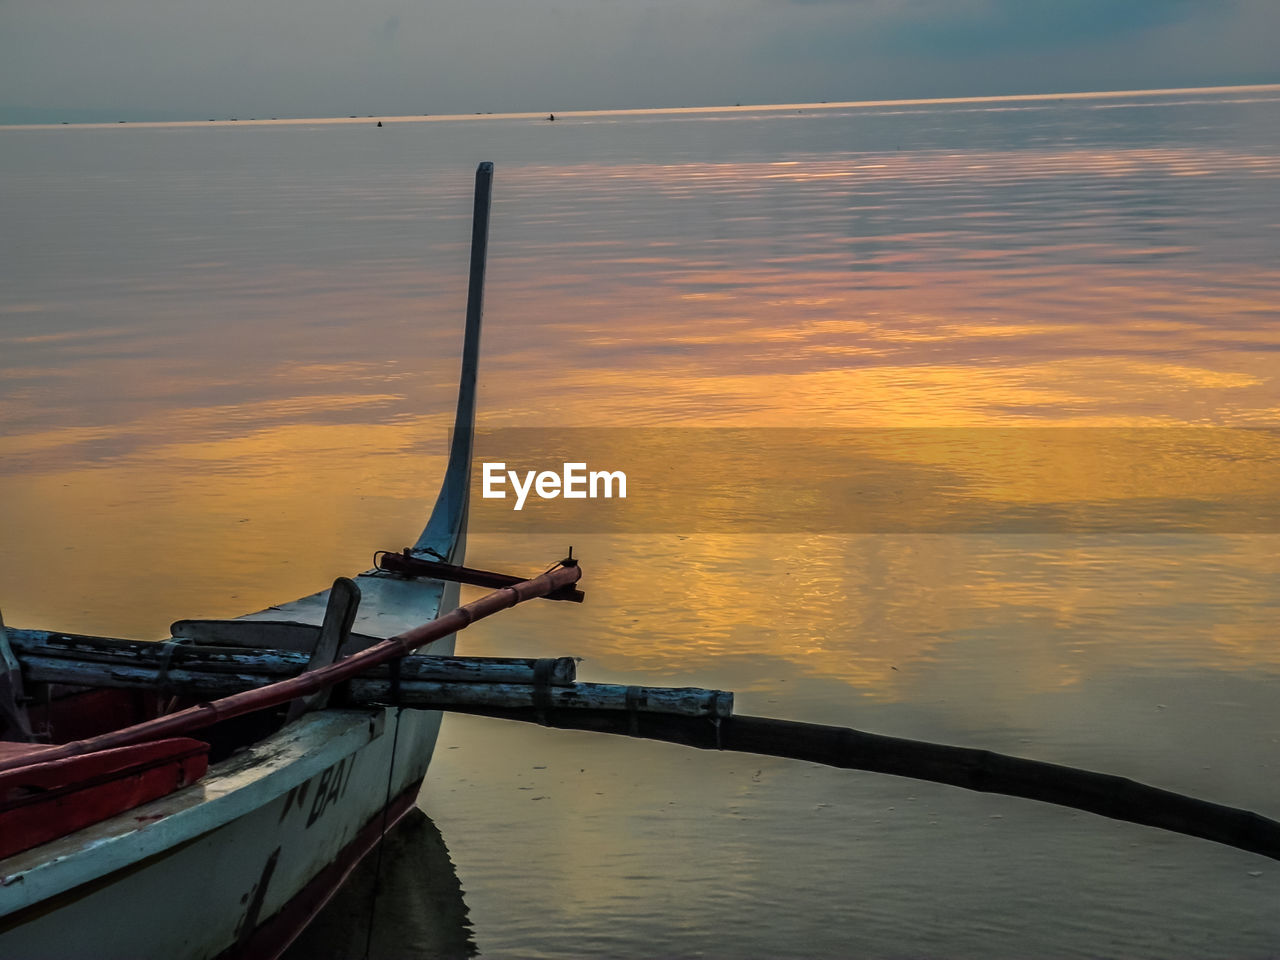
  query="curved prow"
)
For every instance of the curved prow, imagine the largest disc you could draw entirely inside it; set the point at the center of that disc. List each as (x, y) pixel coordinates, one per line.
(443, 536)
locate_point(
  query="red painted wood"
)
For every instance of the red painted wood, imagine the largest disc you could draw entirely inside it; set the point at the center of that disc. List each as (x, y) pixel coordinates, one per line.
(47, 799)
(9, 749)
(87, 713)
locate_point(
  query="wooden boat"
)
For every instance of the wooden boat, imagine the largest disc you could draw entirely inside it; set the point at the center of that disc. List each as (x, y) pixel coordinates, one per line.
(242, 834)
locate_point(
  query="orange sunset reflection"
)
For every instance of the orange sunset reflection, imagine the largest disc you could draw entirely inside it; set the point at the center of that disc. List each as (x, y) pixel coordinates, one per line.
(295, 420)
(893, 616)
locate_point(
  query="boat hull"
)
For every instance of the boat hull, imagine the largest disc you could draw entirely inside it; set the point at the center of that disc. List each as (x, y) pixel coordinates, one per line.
(237, 863)
(216, 868)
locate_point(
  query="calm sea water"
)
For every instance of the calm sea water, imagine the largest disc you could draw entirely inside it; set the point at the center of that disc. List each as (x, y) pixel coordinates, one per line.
(227, 364)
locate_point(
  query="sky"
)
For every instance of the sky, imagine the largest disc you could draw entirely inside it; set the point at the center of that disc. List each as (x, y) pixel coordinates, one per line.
(86, 60)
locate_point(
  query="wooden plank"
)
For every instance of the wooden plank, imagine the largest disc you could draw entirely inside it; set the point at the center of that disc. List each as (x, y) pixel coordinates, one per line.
(344, 601)
(43, 652)
(282, 634)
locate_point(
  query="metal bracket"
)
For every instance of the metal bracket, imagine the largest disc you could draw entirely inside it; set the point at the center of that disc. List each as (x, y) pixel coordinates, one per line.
(407, 565)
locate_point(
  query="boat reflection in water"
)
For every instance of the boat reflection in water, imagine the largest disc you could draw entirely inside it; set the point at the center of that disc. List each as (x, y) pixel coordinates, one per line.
(410, 904)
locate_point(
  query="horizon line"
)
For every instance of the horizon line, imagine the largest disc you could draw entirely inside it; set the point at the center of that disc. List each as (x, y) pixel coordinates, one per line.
(652, 111)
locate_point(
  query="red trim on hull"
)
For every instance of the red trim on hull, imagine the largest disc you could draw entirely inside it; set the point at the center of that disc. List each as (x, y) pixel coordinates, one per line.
(46, 800)
(274, 935)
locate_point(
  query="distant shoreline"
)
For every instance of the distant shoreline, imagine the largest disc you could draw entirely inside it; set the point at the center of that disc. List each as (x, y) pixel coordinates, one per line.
(654, 111)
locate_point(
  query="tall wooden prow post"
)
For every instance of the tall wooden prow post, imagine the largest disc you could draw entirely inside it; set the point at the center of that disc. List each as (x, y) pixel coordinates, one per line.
(442, 538)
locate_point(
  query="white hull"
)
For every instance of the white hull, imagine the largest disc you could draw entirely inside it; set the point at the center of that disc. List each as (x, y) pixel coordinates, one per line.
(224, 855)
(199, 872)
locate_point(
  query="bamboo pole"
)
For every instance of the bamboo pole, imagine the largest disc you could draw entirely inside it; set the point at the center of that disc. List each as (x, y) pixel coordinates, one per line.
(250, 701)
(612, 697)
(80, 659)
(416, 692)
(1117, 798)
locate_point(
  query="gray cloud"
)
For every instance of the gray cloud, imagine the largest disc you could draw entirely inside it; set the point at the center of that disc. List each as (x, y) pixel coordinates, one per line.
(966, 30)
(140, 59)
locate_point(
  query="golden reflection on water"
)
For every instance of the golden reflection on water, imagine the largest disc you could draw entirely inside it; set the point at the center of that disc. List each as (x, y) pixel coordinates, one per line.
(1084, 344)
(206, 428)
(1003, 480)
(318, 408)
(896, 617)
(126, 546)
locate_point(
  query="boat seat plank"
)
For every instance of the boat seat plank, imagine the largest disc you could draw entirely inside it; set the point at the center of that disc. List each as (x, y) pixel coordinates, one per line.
(389, 606)
(263, 634)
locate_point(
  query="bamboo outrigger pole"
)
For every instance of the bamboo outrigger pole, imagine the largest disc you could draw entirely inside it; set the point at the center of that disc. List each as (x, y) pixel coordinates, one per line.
(565, 574)
(513, 690)
(983, 770)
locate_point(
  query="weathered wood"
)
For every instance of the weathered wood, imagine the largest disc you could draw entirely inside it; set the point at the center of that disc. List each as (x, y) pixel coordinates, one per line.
(98, 652)
(201, 684)
(671, 701)
(339, 615)
(414, 692)
(206, 714)
(276, 634)
(108, 651)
